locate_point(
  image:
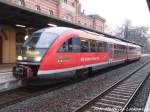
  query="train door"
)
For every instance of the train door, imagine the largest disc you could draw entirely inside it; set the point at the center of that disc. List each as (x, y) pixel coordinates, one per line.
(110, 49)
(1, 44)
(126, 52)
(85, 55)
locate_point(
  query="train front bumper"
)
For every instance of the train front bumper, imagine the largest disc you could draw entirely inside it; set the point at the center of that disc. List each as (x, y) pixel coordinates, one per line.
(22, 72)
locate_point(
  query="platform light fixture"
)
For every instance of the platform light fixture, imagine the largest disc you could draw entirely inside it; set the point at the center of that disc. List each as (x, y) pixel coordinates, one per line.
(53, 25)
(27, 34)
(22, 26)
(26, 37)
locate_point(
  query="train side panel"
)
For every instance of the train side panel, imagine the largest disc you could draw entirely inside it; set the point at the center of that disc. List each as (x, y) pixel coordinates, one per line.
(71, 51)
(134, 52)
(57, 62)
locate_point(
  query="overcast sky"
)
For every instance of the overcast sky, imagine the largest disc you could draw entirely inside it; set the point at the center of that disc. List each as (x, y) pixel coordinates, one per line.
(116, 11)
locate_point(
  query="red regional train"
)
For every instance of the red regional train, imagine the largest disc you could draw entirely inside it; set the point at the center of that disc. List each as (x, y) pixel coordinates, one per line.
(60, 52)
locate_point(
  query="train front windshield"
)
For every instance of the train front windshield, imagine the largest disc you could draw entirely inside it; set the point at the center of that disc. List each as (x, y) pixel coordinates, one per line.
(36, 46)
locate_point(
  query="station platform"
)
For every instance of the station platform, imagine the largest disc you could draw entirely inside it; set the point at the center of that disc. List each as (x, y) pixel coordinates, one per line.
(6, 67)
(7, 81)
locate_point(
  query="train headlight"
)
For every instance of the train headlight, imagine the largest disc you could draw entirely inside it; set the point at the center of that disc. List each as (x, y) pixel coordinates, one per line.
(19, 58)
(37, 59)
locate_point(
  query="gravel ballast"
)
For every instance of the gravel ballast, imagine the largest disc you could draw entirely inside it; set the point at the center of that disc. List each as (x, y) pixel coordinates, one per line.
(139, 101)
(64, 99)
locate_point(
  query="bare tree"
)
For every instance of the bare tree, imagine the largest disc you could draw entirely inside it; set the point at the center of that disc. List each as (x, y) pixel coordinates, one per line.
(122, 31)
(109, 30)
(137, 34)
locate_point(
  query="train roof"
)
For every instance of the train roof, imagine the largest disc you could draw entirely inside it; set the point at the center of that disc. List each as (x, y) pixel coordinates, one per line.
(61, 30)
(110, 40)
(107, 38)
(133, 45)
(56, 30)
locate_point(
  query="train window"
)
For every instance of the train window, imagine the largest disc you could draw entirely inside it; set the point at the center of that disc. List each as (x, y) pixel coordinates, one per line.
(119, 50)
(76, 44)
(64, 47)
(132, 50)
(31, 41)
(71, 45)
(101, 46)
(46, 40)
(40, 40)
(105, 46)
(93, 46)
(84, 45)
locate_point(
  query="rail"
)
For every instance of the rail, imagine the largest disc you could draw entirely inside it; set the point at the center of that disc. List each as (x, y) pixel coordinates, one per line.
(118, 96)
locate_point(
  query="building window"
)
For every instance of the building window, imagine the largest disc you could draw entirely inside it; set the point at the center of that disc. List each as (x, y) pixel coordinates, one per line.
(100, 28)
(85, 24)
(68, 17)
(51, 12)
(20, 2)
(73, 4)
(65, 1)
(79, 22)
(37, 7)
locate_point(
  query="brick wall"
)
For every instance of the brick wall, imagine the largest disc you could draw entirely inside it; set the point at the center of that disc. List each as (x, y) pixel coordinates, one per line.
(98, 25)
(69, 10)
(84, 21)
(44, 6)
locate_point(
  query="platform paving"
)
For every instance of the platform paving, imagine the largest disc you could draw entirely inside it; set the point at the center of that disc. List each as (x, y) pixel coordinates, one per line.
(6, 67)
(7, 80)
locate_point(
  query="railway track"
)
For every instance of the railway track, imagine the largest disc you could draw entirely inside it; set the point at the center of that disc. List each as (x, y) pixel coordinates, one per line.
(117, 97)
(21, 94)
(14, 96)
(18, 95)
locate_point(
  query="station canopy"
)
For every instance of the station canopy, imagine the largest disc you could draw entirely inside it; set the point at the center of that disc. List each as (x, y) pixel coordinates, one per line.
(11, 14)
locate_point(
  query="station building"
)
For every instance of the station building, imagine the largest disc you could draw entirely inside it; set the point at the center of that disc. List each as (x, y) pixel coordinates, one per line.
(21, 17)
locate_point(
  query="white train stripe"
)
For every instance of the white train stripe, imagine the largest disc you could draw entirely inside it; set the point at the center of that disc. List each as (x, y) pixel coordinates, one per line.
(40, 72)
(69, 69)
